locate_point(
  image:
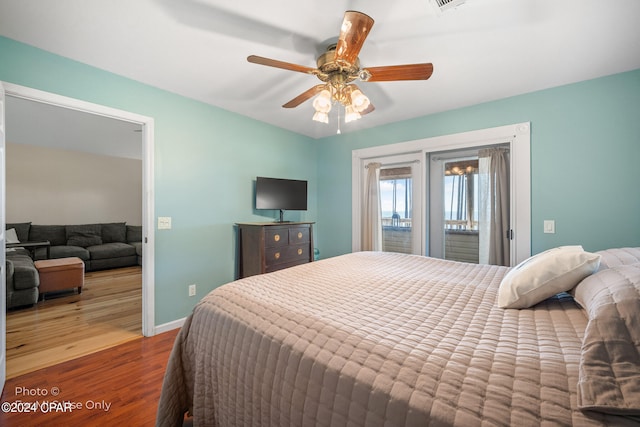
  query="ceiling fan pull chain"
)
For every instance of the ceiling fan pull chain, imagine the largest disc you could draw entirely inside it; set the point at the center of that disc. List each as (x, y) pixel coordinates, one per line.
(338, 119)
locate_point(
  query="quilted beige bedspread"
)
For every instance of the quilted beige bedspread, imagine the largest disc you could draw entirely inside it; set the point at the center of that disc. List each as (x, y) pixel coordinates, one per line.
(376, 339)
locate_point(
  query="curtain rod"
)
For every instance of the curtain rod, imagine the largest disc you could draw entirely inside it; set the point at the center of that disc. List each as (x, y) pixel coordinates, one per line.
(393, 164)
(460, 154)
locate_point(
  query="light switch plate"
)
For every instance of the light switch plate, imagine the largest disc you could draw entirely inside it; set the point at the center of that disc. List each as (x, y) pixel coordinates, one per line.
(549, 226)
(164, 223)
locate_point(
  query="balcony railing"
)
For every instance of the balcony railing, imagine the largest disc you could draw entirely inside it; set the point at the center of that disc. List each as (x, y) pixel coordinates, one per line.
(396, 222)
(463, 224)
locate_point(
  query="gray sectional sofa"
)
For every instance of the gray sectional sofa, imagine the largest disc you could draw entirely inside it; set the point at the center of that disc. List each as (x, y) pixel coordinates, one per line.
(99, 246)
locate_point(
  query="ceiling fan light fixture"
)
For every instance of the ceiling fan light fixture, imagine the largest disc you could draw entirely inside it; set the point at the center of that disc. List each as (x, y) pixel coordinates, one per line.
(359, 101)
(321, 117)
(322, 103)
(350, 114)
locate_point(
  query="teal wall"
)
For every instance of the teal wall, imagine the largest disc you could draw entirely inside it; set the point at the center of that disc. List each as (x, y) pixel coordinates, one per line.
(585, 158)
(206, 160)
(585, 148)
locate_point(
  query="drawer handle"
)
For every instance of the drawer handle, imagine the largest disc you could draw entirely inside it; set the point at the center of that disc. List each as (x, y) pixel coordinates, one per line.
(276, 237)
(277, 255)
(299, 234)
(299, 251)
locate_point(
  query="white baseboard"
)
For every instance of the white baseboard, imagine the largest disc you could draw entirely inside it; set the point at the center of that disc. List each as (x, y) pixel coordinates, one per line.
(165, 327)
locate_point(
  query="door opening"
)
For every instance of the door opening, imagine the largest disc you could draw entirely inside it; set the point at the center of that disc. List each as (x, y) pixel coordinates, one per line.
(147, 135)
(391, 220)
(464, 208)
(396, 198)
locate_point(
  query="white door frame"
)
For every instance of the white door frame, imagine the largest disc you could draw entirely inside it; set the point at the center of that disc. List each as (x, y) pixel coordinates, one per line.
(147, 123)
(3, 266)
(518, 136)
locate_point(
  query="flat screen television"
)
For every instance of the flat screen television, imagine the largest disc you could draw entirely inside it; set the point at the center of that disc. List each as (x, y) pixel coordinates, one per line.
(281, 194)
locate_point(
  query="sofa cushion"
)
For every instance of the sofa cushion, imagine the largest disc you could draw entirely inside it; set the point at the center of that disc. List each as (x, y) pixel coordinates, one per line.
(84, 235)
(84, 240)
(134, 233)
(83, 229)
(69, 251)
(12, 252)
(111, 250)
(25, 275)
(138, 246)
(107, 263)
(55, 234)
(114, 232)
(22, 230)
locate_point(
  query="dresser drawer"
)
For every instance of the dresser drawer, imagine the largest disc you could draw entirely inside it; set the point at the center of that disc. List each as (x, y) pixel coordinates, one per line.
(286, 254)
(276, 237)
(298, 235)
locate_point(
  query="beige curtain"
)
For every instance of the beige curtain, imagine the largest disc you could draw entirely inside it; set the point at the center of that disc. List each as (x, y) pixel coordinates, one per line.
(494, 206)
(371, 210)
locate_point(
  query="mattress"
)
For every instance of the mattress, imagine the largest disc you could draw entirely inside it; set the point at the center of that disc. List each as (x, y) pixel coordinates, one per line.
(377, 339)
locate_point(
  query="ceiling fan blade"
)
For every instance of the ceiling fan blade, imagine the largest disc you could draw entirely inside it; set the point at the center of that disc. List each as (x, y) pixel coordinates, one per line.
(280, 64)
(310, 93)
(354, 31)
(399, 72)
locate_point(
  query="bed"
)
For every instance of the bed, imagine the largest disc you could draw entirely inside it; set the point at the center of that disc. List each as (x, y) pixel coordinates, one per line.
(384, 339)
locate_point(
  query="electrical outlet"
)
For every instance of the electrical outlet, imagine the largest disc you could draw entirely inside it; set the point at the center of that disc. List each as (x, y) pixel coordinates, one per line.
(192, 290)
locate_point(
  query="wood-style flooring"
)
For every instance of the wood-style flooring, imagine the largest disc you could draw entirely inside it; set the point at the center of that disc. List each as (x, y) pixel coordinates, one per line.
(68, 325)
(115, 387)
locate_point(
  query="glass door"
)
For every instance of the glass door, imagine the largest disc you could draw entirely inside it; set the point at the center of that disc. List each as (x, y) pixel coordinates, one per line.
(399, 191)
(396, 199)
(465, 220)
(460, 192)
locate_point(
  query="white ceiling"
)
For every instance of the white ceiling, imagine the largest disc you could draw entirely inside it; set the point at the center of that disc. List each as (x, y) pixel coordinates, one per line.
(481, 51)
(36, 123)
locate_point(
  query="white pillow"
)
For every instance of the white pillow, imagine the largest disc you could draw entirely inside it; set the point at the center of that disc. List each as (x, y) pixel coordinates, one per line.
(11, 236)
(544, 275)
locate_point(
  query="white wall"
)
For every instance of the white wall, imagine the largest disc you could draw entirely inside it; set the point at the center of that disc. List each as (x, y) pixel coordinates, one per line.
(53, 186)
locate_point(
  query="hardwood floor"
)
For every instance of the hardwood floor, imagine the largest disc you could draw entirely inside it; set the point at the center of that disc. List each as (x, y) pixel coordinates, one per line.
(67, 325)
(115, 387)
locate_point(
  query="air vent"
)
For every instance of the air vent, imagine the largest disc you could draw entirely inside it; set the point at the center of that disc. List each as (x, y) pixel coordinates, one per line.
(444, 5)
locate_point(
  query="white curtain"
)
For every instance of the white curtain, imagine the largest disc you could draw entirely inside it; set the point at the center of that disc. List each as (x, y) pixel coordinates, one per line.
(371, 210)
(493, 216)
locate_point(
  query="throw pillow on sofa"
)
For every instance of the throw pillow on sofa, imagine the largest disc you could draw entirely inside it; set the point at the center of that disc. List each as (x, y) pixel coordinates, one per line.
(114, 232)
(84, 240)
(134, 233)
(55, 234)
(11, 236)
(22, 230)
(84, 235)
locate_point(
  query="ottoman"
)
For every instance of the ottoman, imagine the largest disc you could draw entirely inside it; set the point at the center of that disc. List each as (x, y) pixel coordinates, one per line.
(60, 274)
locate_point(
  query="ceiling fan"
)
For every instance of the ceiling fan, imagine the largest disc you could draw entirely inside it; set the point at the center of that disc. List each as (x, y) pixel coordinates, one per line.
(339, 67)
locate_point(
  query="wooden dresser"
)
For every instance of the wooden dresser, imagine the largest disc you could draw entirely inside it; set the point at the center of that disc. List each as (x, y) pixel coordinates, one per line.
(271, 246)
